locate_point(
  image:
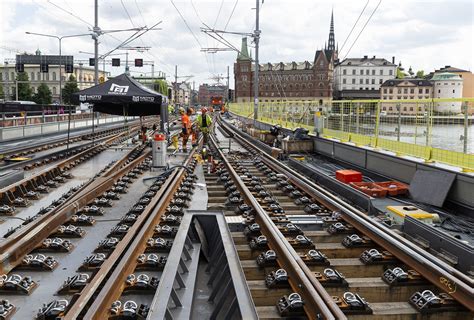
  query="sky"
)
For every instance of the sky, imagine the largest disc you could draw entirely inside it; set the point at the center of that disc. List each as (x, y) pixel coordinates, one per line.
(425, 35)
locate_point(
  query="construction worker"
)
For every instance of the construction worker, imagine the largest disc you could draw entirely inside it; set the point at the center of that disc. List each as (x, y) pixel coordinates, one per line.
(186, 130)
(204, 122)
(193, 133)
(170, 109)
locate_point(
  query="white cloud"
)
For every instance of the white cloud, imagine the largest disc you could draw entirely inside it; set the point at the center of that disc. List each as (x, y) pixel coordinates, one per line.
(421, 34)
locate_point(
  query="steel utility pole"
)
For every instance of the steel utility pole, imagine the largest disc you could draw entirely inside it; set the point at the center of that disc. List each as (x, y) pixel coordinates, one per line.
(256, 40)
(175, 84)
(96, 42)
(227, 91)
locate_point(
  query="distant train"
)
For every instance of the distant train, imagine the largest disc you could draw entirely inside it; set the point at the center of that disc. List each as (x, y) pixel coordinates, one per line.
(19, 108)
(217, 102)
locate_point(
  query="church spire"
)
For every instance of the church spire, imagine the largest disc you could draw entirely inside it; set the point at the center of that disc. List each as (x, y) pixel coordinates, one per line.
(243, 54)
(331, 42)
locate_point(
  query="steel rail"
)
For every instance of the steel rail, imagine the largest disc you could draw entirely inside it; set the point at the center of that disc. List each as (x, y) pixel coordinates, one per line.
(316, 299)
(121, 263)
(13, 250)
(444, 276)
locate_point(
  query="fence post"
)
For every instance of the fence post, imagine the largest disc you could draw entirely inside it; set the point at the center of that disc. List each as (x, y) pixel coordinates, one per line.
(341, 110)
(399, 127)
(350, 117)
(377, 123)
(466, 126)
(357, 118)
(428, 120)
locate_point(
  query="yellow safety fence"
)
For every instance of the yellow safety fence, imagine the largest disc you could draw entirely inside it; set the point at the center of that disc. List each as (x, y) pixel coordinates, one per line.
(435, 130)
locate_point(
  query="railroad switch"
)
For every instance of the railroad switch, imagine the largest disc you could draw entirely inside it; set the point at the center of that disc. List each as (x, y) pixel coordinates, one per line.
(55, 245)
(252, 231)
(129, 310)
(165, 230)
(291, 305)
(6, 210)
(38, 262)
(315, 258)
(82, 220)
(119, 231)
(356, 241)
(74, 284)
(92, 262)
(331, 278)
(302, 201)
(53, 310)
(102, 202)
(129, 219)
(175, 210)
(340, 228)
(141, 283)
(6, 309)
(158, 245)
(107, 245)
(290, 229)
(171, 219)
(92, 210)
(277, 279)
(21, 202)
(69, 231)
(259, 243)
(352, 303)
(42, 189)
(428, 302)
(301, 242)
(397, 276)
(152, 262)
(32, 195)
(373, 256)
(16, 284)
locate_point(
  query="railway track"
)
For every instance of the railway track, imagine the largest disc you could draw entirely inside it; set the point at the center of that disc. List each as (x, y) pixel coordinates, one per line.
(126, 244)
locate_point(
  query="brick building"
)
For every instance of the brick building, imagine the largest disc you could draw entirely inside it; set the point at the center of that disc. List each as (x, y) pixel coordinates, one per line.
(207, 91)
(288, 81)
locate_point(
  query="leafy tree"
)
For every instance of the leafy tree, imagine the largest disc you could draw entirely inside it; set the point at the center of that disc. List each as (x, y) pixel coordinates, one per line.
(410, 72)
(161, 86)
(43, 96)
(420, 74)
(69, 88)
(25, 92)
(400, 74)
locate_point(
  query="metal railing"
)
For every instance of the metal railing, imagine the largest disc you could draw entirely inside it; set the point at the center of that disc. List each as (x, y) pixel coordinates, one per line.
(32, 123)
(418, 128)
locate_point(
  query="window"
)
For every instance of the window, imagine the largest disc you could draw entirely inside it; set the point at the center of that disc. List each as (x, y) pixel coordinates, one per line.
(373, 72)
(54, 76)
(439, 91)
(13, 75)
(353, 81)
(420, 91)
(399, 91)
(366, 81)
(343, 81)
(361, 81)
(38, 76)
(373, 81)
(381, 72)
(32, 76)
(404, 108)
(405, 97)
(427, 90)
(411, 108)
(344, 71)
(390, 90)
(54, 90)
(390, 72)
(454, 91)
(353, 71)
(380, 81)
(47, 76)
(412, 90)
(361, 71)
(367, 72)
(405, 90)
(399, 97)
(390, 108)
(385, 90)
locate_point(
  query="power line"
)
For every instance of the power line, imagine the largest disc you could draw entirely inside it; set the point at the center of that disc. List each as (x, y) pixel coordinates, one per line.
(128, 14)
(231, 14)
(373, 12)
(140, 12)
(218, 13)
(353, 27)
(186, 23)
(70, 13)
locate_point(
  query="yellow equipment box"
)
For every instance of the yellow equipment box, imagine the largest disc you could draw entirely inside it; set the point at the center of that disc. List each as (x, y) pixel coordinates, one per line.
(398, 214)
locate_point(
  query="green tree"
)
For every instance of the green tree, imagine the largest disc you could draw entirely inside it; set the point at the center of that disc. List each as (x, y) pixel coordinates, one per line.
(69, 88)
(161, 86)
(420, 74)
(43, 96)
(400, 74)
(25, 93)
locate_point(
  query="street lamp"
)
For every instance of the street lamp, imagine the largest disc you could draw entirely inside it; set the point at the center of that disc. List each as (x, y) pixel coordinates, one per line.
(60, 38)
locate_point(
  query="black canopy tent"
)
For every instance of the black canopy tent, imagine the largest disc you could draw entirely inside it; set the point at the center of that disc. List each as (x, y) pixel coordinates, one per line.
(123, 93)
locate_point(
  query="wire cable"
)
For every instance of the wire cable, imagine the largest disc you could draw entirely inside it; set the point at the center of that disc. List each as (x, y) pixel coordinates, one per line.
(363, 28)
(186, 23)
(231, 14)
(353, 27)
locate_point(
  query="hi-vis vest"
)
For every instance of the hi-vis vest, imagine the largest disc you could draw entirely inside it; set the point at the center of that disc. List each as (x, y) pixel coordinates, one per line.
(200, 124)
